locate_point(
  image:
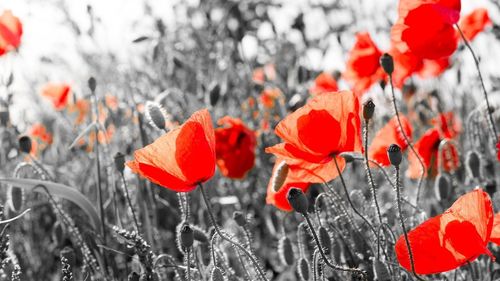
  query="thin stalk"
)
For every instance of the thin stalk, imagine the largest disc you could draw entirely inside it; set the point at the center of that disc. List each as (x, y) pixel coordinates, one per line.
(323, 255)
(485, 93)
(224, 237)
(369, 172)
(407, 140)
(402, 221)
(129, 202)
(188, 264)
(349, 199)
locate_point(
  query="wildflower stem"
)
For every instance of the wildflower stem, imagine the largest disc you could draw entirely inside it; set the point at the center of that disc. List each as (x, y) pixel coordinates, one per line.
(323, 255)
(224, 237)
(188, 264)
(129, 202)
(407, 140)
(402, 221)
(349, 199)
(369, 172)
(485, 93)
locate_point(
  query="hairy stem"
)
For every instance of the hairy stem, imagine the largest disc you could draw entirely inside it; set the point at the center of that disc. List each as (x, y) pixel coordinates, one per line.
(129, 202)
(369, 172)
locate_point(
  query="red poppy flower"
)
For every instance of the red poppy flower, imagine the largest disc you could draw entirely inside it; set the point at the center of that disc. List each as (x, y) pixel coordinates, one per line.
(495, 232)
(181, 158)
(388, 135)
(324, 83)
(446, 127)
(425, 27)
(269, 96)
(474, 23)
(498, 150)
(434, 68)
(363, 66)
(449, 240)
(234, 148)
(39, 131)
(405, 65)
(11, 31)
(323, 128)
(58, 94)
(278, 196)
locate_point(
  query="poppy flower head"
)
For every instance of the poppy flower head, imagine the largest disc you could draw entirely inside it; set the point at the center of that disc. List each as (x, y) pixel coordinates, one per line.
(181, 158)
(475, 22)
(449, 240)
(57, 93)
(11, 31)
(324, 83)
(326, 126)
(277, 193)
(235, 147)
(363, 67)
(389, 134)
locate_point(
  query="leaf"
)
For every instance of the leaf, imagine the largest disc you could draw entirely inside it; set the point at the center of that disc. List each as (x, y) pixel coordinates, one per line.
(59, 190)
(140, 39)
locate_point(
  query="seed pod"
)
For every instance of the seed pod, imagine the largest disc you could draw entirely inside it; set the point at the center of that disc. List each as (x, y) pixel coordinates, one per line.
(279, 176)
(285, 251)
(15, 198)
(186, 236)
(156, 115)
(381, 271)
(473, 164)
(25, 144)
(240, 218)
(395, 155)
(92, 84)
(216, 274)
(442, 187)
(119, 162)
(387, 63)
(298, 200)
(324, 240)
(368, 109)
(303, 269)
(214, 93)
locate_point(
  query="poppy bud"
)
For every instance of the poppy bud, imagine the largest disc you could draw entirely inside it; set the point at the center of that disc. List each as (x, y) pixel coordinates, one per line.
(186, 236)
(279, 176)
(298, 200)
(285, 251)
(303, 269)
(387, 63)
(25, 144)
(442, 187)
(395, 155)
(324, 240)
(119, 162)
(216, 275)
(214, 94)
(473, 163)
(92, 84)
(240, 219)
(156, 115)
(368, 109)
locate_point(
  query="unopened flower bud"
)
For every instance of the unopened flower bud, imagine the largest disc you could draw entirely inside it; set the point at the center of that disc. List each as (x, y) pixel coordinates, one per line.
(156, 115)
(92, 84)
(298, 200)
(387, 63)
(473, 164)
(368, 109)
(216, 274)
(186, 236)
(25, 144)
(395, 155)
(240, 219)
(119, 162)
(442, 187)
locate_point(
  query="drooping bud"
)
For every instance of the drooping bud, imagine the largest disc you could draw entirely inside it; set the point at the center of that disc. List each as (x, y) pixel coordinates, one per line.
(298, 200)
(303, 269)
(395, 155)
(25, 144)
(240, 218)
(92, 84)
(186, 236)
(368, 109)
(279, 176)
(216, 274)
(285, 251)
(15, 198)
(387, 63)
(156, 115)
(473, 164)
(442, 187)
(119, 161)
